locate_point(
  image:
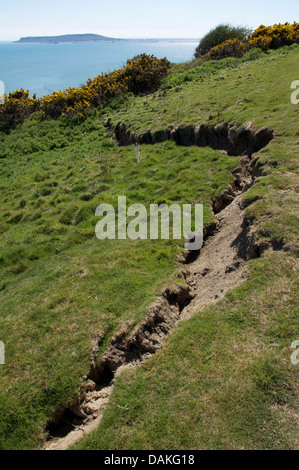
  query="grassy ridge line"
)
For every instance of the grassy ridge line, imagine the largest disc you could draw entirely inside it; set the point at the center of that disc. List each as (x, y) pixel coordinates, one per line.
(230, 90)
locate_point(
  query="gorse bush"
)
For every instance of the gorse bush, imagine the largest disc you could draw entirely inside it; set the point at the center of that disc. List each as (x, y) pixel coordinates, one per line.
(18, 106)
(68, 102)
(145, 73)
(264, 37)
(140, 75)
(278, 35)
(229, 48)
(218, 35)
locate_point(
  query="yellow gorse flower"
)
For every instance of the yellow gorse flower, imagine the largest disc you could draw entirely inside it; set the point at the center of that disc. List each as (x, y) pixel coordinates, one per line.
(264, 37)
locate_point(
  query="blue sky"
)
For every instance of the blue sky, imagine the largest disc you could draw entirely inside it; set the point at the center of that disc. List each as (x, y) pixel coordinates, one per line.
(137, 18)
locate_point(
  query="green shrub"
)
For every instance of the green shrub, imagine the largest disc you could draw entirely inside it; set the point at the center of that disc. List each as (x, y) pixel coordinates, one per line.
(218, 35)
(145, 73)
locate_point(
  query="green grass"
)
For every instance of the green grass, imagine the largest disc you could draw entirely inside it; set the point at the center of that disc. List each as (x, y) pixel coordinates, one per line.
(60, 286)
(254, 91)
(231, 90)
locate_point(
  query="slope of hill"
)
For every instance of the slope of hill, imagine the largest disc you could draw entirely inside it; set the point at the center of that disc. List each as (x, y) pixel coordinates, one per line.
(224, 377)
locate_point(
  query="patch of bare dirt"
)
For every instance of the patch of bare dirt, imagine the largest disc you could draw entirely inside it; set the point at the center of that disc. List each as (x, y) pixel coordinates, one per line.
(221, 265)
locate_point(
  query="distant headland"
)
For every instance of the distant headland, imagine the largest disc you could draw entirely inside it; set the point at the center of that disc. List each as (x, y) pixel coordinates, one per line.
(67, 38)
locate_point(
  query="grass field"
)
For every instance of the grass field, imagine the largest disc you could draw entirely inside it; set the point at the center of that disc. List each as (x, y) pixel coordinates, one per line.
(60, 286)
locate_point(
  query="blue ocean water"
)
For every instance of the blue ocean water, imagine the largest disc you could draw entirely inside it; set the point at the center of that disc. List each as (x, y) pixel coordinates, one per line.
(44, 68)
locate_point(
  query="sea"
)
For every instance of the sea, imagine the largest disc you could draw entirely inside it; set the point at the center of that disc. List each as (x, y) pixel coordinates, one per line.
(44, 68)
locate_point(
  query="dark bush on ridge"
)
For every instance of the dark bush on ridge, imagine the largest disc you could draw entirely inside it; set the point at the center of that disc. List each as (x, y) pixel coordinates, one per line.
(218, 35)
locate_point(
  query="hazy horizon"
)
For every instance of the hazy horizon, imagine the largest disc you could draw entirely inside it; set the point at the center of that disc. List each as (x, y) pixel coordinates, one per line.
(135, 19)
(119, 38)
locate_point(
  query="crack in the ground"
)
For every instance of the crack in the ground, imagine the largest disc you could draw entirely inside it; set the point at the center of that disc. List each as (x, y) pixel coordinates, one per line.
(234, 140)
(206, 277)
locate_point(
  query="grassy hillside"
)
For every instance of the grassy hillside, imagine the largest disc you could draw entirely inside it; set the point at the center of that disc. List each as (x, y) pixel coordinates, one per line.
(256, 92)
(60, 287)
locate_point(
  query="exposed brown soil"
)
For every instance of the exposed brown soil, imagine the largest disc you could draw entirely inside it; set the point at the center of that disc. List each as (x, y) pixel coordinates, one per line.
(206, 277)
(228, 137)
(221, 265)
